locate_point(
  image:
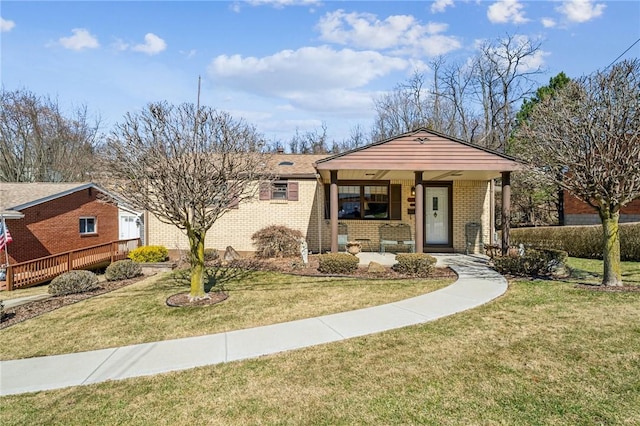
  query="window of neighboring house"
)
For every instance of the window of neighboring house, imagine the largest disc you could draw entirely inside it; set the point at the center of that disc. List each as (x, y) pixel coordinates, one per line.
(367, 200)
(88, 225)
(281, 190)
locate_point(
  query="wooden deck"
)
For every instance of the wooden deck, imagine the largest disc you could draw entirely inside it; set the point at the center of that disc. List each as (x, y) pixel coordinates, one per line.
(38, 271)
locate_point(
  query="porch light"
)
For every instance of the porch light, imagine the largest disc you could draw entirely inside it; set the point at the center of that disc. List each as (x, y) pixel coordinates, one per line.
(413, 191)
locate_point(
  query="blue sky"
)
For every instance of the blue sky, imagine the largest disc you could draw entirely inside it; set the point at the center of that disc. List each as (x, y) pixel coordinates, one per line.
(283, 65)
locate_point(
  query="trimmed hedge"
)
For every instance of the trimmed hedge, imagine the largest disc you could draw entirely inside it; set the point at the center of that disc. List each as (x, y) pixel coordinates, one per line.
(337, 263)
(123, 270)
(546, 262)
(277, 241)
(579, 241)
(416, 264)
(73, 282)
(149, 254)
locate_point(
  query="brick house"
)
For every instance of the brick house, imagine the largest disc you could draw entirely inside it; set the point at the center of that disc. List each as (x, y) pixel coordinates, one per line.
(577, 212)
(436, 185)
(51, 218)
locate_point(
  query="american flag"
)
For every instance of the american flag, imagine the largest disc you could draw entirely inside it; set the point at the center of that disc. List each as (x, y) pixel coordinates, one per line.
(5, 236)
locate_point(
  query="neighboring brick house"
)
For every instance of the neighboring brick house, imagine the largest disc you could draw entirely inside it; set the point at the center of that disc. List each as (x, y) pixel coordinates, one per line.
(435, 184)
(577, 212)
(52, 218)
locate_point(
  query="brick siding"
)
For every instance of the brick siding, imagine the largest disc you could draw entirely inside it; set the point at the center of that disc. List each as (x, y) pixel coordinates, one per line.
(471, 203)
(575, 206)
(53, 227)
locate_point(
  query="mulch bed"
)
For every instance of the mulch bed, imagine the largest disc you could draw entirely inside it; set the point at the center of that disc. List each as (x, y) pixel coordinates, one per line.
(30, 310)
(294, 266)
(182, 299)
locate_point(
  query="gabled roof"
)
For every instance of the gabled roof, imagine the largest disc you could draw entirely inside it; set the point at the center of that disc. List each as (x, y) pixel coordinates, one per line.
(15, 197)
(421, 149)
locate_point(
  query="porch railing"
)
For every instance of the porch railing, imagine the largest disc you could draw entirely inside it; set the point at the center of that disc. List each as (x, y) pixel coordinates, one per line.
(37, 271)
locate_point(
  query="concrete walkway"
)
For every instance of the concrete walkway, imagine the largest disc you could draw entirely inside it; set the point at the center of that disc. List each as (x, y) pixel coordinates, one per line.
(477, 284)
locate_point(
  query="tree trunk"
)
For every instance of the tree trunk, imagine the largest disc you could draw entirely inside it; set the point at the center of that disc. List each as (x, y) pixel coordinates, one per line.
(611, 253)
(196, 258)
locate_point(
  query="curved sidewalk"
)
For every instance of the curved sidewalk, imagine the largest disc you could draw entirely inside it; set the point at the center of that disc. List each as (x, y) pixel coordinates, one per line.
(476, 285)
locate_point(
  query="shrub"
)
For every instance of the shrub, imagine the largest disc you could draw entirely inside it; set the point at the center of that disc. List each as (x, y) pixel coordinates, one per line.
(337, 263)
(122, 270)
(149, 254)
(416, 264)
(545, 262)
(73, 282)
(579, 241)
(277, 241)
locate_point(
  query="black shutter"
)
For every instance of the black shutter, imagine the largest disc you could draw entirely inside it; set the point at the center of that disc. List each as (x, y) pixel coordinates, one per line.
(327, 201)
(395, 202)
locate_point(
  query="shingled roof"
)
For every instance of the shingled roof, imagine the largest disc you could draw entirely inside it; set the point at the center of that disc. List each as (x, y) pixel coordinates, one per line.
(18, 196)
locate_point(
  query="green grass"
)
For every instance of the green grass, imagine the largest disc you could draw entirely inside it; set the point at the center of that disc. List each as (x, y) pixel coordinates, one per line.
(590, 271)
(545, 353)
(138, 313)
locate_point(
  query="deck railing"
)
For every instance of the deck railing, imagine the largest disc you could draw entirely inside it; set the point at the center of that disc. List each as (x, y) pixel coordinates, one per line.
(37, 271)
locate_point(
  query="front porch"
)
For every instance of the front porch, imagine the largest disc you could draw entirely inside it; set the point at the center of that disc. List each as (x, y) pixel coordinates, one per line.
(440, 188)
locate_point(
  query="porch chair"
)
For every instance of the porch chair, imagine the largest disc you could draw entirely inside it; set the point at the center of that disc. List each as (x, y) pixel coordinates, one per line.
(396, 235)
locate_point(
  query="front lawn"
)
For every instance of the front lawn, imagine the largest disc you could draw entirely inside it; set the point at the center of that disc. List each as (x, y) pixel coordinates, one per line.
(546, 353)
(138, 313)
(590, 271)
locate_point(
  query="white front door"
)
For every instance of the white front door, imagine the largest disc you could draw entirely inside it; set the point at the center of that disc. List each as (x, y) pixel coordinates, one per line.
(128, 227)
(436, 209)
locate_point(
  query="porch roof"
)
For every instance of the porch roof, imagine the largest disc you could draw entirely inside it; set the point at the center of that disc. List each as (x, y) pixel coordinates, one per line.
(439, 156)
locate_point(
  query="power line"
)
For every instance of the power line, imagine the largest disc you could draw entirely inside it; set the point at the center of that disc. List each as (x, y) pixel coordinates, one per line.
(622, 54)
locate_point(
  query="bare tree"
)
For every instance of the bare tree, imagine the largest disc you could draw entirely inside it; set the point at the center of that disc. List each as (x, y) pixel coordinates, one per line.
(39, 144)
(309, 142)
(401, 110)
(475, 101)
(590, 129)
(503, 73)
(186, 166)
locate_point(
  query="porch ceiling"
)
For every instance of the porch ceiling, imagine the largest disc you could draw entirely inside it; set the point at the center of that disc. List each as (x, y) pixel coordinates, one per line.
(430, 175)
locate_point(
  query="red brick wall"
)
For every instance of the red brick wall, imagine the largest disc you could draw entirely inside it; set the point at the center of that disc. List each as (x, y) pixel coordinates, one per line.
(573, 205)
(53, 227)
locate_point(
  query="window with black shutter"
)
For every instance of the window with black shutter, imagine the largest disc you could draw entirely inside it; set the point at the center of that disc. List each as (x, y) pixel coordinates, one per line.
(366, 200)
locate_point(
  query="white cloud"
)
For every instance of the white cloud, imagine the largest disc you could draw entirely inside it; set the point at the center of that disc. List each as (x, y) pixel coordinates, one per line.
(152, 45)
(506, 11)
(120, 45)
(6, 25)
(440, 5)
(312, 77)
(548, 22)
(279, 4)
(189, 53)
(403, 32)
(81, 39)
(581, 10)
